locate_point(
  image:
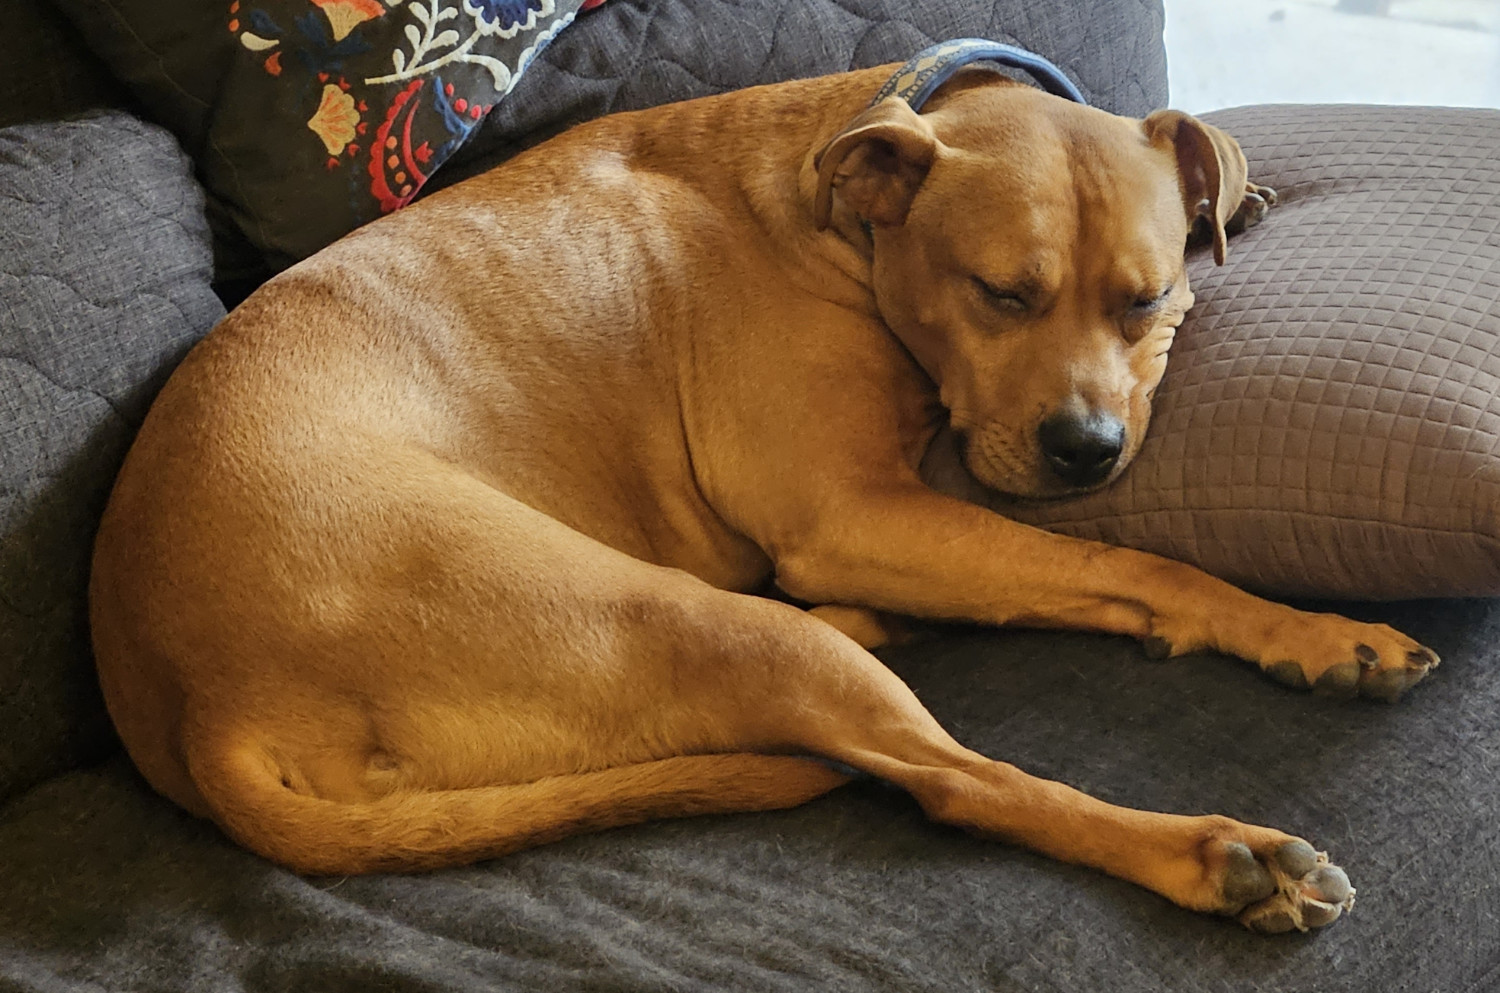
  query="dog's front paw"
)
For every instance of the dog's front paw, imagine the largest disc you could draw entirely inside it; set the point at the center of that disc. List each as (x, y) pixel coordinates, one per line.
(1339, 657)
(1325, 653)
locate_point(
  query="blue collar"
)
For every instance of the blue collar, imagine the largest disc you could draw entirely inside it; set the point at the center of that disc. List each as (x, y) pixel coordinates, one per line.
(930, 68)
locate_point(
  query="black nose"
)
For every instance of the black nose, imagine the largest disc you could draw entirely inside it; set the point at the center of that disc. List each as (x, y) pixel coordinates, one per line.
(1081, 448)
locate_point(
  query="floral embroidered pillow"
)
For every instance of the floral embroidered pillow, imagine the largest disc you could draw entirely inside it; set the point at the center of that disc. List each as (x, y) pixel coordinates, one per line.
(308, 118)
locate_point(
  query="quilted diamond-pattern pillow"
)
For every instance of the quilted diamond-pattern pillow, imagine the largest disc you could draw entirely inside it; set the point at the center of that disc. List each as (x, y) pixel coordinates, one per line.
(1329, 424)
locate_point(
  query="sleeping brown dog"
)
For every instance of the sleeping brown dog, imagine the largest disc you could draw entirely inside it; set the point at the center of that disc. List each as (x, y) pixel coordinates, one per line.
(445, 542)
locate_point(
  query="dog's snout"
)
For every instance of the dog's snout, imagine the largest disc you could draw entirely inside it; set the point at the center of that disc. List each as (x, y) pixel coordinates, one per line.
(1081, 448)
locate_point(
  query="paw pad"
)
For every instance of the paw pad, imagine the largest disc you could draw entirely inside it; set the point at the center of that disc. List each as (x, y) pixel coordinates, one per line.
(1310, 892)
(1245, 879)
(1288, 673)
(1392, 684)
(1340, 680)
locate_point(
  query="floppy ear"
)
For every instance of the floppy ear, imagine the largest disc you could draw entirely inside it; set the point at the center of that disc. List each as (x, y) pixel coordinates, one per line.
(876, 164)
(1210, 166)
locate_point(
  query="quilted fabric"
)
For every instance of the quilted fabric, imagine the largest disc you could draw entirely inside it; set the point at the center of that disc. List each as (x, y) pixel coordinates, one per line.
(1329, 424)
(665, 50)
(104, 273)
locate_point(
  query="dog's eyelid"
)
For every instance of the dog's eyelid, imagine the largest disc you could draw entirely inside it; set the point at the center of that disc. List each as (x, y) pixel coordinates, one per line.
(1145, 302)
(1141, 314)
(1001, 296)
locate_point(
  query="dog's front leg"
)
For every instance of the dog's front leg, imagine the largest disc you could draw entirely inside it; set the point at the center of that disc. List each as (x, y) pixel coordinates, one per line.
(908, 549)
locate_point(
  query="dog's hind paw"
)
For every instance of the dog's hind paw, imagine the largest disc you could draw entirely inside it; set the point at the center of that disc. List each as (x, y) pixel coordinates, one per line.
(1252, 210)
(1310, 892)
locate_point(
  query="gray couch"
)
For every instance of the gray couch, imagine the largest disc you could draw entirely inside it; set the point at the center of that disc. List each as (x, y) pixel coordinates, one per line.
(106, 279)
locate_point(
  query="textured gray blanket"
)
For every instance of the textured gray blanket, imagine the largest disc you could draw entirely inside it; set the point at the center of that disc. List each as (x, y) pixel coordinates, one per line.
(103, 886)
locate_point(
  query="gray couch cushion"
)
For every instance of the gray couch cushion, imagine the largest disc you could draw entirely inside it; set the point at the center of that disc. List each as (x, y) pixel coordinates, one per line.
(104, 272)
(631, 54)
(1330, 419)
(103, 883)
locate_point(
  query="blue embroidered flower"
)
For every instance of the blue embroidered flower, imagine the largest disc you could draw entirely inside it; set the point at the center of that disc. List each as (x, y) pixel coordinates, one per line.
(506, 18)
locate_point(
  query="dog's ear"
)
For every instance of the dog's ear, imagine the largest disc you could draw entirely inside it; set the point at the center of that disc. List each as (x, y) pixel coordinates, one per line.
(1211, 170)
(876, 163)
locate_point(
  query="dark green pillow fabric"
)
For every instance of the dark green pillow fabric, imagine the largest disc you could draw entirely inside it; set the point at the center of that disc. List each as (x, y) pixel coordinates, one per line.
(307, 118)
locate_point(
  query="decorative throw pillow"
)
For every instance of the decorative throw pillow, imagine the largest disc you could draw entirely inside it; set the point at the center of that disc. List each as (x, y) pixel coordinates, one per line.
(1329, 424)
(308, 118)
(104, 285)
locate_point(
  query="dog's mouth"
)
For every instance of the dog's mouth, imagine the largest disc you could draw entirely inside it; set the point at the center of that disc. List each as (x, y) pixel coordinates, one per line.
(1020, 479)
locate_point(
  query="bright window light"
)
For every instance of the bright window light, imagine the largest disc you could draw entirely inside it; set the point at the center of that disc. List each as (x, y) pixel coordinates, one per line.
(1224, 53)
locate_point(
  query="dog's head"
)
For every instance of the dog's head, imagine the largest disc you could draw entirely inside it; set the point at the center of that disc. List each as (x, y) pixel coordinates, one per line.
(1028, 252)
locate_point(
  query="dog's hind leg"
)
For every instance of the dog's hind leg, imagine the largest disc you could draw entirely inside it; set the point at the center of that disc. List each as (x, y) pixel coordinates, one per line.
(750, 685)
(495, 679)
(796, 684)
(485, 680)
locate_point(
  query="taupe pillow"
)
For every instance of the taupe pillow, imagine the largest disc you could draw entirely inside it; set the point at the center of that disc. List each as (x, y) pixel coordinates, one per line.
(1329, 423)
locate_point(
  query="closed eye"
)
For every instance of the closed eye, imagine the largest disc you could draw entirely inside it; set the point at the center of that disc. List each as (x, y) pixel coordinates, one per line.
(998, 297)
(1145, 304)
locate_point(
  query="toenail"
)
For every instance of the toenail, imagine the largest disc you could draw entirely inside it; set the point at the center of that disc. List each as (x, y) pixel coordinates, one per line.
(1157, 648)
(1423, 657)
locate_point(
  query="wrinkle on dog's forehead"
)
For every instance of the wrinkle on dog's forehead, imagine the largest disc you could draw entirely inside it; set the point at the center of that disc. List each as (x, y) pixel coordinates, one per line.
(1006, 232)
(1034, 138)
